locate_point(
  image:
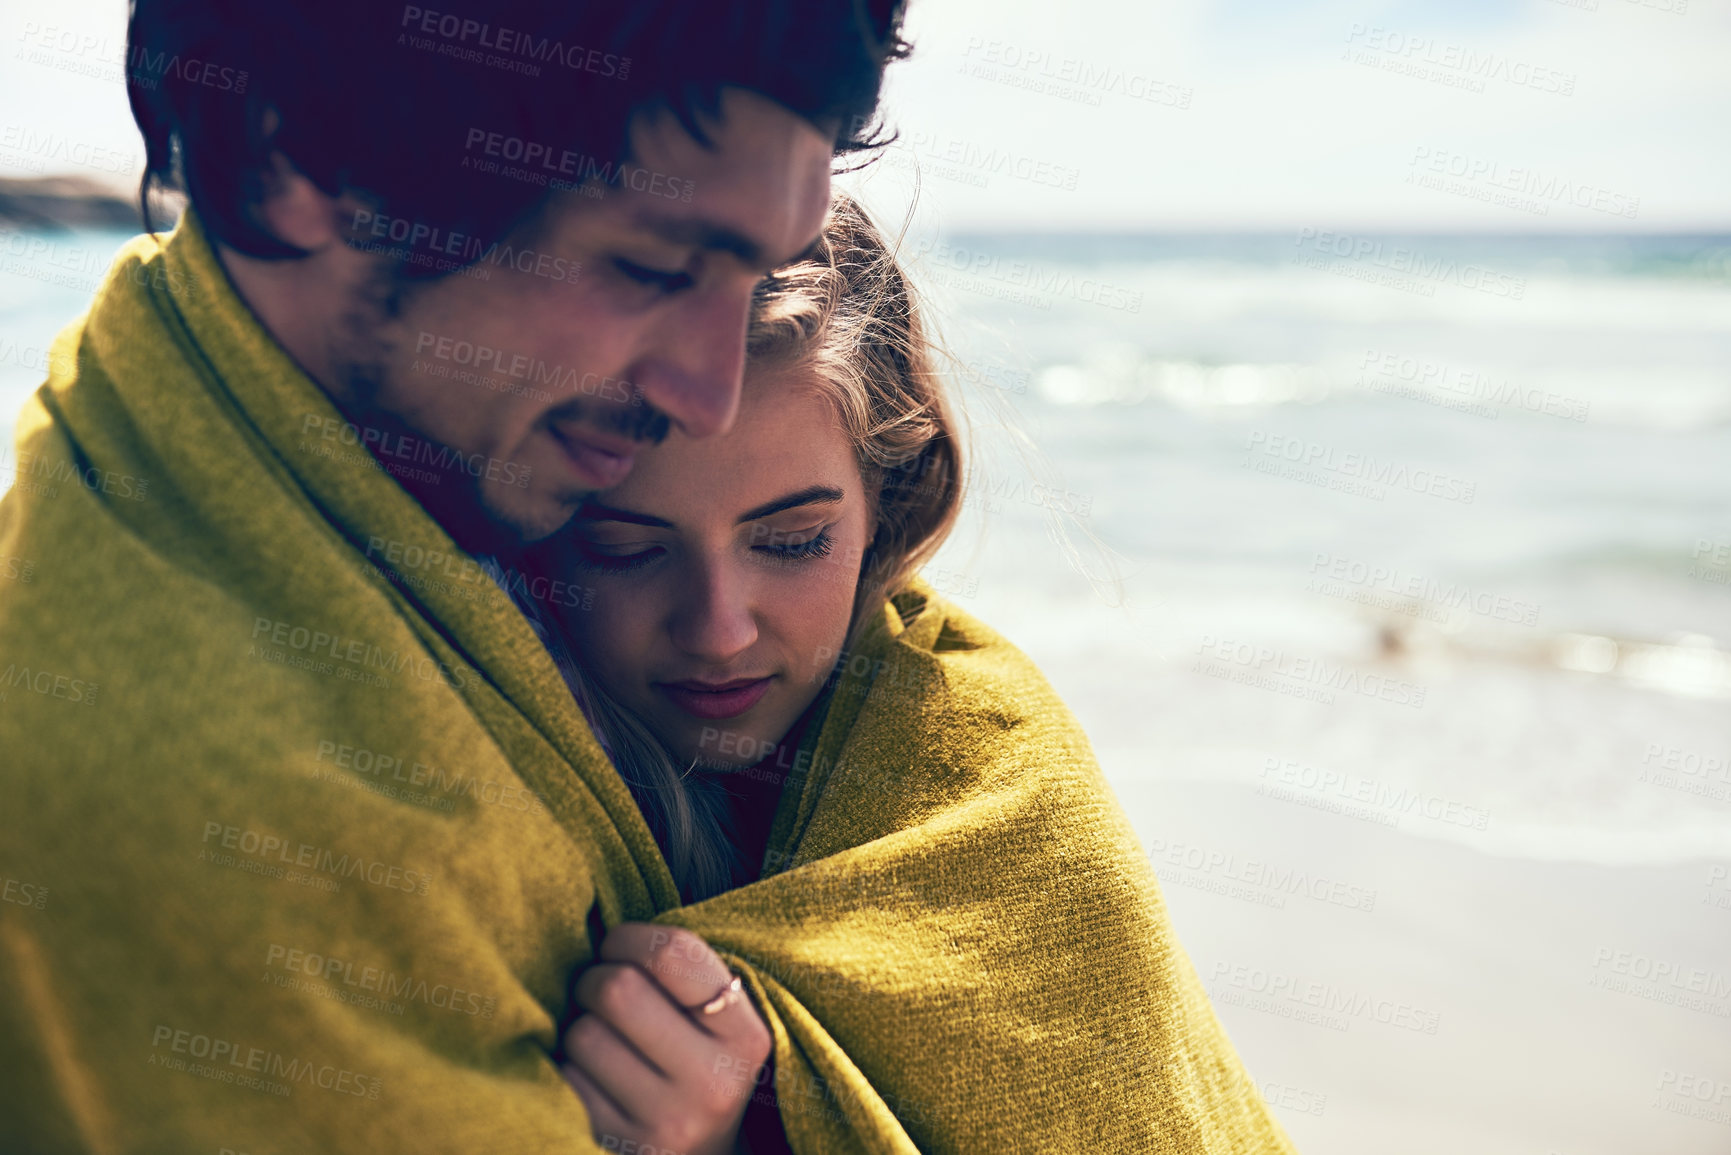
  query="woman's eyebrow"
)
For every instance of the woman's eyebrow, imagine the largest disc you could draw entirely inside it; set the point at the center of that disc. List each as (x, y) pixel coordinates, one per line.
(810, 495)
(595, 511)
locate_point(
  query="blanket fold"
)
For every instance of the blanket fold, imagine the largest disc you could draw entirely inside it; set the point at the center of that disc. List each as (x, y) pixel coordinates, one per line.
(302, 838)
(961, 936)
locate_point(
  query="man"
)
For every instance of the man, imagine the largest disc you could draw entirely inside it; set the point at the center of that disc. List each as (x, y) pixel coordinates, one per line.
(302, 837)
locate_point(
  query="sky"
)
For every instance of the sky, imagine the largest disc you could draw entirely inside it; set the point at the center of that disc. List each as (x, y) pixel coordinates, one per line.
(1181, 115)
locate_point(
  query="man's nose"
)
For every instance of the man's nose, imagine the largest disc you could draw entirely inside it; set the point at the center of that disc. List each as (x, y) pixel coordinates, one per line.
(715, 619)
(694, 370)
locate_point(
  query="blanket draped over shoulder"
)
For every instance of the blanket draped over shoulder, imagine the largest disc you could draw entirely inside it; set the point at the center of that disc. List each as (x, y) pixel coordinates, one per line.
(303, 838)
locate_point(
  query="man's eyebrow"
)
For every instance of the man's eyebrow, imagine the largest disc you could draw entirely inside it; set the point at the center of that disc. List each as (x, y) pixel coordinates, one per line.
(704, 234)
(810, 495)
(716, 237)
(595, 511)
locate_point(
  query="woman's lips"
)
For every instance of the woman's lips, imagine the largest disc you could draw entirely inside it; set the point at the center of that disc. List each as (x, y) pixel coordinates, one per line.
(709, 700)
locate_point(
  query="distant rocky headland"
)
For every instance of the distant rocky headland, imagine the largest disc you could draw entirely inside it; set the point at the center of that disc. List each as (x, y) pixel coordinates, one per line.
(56, 203)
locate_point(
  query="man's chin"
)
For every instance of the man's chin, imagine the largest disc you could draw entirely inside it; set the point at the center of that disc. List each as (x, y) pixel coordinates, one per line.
(528, 518)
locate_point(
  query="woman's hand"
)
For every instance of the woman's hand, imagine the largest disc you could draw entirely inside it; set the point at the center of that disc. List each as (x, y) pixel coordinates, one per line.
(647, 1061)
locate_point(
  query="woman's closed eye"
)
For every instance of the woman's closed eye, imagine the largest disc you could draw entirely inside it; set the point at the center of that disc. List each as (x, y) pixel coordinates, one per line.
(617, 556)
(794, 545)
(776, 545)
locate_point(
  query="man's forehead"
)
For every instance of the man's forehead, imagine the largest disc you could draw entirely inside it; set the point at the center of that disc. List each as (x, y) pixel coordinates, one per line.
(760, 176)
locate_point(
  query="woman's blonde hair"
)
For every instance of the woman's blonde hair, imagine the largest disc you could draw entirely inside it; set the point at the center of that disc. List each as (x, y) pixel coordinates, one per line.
(846, 314)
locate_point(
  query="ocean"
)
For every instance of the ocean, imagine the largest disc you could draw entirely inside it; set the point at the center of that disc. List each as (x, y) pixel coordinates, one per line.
(1431, 530)
(1423, 527)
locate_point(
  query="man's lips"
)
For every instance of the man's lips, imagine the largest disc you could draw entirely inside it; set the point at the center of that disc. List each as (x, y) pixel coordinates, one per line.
(711, 700)
(601, 460)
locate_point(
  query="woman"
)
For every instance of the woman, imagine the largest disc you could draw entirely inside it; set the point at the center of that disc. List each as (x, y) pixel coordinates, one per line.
(730, 572)
(833, 760)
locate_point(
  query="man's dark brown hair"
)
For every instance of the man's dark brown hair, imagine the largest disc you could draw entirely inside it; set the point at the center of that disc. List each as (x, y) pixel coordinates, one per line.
(464, 118)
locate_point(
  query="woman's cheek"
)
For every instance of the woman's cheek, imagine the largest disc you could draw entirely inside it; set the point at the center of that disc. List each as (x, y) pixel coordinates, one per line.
(827, 604)
(605, 632)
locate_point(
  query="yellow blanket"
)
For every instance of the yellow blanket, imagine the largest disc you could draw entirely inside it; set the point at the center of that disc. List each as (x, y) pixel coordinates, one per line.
(302, 837)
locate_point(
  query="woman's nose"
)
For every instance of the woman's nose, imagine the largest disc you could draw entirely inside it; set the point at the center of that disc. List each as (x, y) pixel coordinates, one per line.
(716, 620)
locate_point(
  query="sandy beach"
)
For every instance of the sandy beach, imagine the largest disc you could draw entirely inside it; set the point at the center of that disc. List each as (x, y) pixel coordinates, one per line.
(1481, 1004)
